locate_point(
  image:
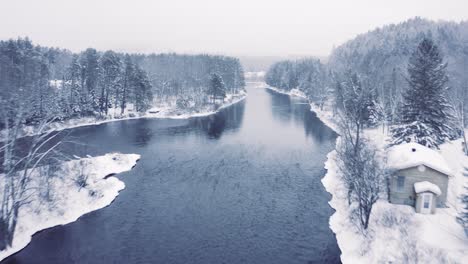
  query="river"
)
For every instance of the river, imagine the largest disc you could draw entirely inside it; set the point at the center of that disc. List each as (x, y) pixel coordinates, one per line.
(240, 186)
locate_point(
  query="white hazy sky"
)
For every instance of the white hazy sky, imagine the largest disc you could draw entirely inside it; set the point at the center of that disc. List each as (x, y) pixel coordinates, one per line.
(235, 27)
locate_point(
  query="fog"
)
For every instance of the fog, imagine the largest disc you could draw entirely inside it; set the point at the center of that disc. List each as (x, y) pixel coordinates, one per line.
(242, 27)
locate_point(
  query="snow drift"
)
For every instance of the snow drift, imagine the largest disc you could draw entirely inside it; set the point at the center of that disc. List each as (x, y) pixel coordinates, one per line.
(69, 200)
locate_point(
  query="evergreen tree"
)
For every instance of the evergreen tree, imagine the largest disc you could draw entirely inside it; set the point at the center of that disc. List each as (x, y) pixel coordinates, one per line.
(217, 89)
(425, 115)
(110, 80)
(48, 83)
(77, 94)
(143, 97)
(338, 104)
(359, 101)
(128, 72)
(463, 217)
(90, 76)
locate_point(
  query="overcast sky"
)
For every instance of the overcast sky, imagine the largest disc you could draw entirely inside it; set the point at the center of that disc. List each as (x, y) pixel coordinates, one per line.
(235, 27)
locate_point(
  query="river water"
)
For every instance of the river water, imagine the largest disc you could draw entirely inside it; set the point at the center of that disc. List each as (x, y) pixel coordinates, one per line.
(241, 186)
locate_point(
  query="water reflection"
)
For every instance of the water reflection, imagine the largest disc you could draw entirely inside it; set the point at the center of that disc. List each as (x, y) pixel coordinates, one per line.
(241, 186)
(289, 109)
(321, 133)
(228, 118)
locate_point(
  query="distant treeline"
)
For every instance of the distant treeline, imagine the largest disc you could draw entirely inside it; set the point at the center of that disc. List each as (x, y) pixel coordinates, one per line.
(174, 75)
(377, 62)
(411, 79)
(41, 83)
(308, 75)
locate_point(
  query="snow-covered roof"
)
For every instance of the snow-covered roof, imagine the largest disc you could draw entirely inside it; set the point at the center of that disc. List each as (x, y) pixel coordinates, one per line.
(426, 186)
(412, 154)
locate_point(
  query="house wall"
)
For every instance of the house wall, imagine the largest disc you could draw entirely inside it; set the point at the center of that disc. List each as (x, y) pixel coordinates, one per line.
(412, 175)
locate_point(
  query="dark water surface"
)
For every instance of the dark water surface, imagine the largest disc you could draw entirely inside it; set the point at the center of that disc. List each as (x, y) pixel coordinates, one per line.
(241, 186)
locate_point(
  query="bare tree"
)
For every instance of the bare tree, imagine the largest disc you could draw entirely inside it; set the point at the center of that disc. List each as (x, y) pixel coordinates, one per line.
(363, 175)
(359, 108)
(18, 166)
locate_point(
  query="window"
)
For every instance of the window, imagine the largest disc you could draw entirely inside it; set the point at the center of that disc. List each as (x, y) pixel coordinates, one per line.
(400, 183)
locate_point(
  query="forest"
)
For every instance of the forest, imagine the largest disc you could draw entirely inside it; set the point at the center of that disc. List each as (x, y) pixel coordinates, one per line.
(408, 80)
(377, 62)
(42, 86)
(44, 83)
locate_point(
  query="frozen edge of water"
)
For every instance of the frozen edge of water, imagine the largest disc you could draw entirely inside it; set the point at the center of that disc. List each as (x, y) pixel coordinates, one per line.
(92, 121)
(71, 202)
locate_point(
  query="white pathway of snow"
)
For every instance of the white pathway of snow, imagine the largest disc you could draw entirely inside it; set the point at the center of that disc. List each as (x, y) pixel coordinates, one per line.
(67, 200)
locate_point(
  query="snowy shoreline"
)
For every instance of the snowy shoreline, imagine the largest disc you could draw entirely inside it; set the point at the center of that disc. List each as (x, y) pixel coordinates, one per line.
(396, 233)
(69, 201)
(162, 113)
(293, 92)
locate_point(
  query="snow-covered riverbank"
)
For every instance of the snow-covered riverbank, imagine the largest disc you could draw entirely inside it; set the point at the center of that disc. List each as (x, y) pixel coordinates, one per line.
(396, 234)
(66, 200)
(293, 92)
(161, 112)
(172, 112)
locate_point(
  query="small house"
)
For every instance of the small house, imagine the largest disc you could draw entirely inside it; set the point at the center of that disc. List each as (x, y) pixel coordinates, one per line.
(419, 177)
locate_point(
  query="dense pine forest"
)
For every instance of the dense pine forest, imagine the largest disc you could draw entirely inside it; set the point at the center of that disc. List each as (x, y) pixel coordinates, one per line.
(377, 62)
(41, 83)
(409, 80)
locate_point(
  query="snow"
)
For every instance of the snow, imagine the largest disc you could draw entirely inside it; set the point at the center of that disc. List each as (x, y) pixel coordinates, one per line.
(326, 117)
(169, 112)
(412, 154)
(69, 201)
(426, 186)
(396, 233)
(162, 112)
(253, 75)
(57, 84)
(294, 92)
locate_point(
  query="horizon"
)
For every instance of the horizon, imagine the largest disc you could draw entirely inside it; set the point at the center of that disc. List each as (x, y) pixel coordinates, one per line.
(257, 29)
(289, 55)
(214, 131)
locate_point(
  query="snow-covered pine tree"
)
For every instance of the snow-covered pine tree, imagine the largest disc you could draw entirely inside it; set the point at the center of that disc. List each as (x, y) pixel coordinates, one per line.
(463, 218)
(359, 101)
(217, 88)
(128, 72)
(425, 115)
(142, 94)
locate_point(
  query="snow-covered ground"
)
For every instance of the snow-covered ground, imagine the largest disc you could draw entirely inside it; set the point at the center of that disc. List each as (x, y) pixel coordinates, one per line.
(396, 234)
(293, 92)
(67, 201)
(169, 111)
